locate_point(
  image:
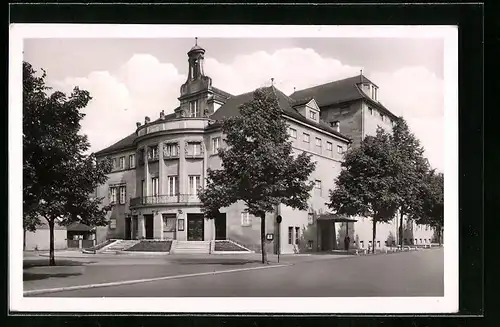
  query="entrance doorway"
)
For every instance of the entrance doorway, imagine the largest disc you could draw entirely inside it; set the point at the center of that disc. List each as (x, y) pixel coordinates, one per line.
(128, 228)
(220, 226)
(196, 227)
(148, 225)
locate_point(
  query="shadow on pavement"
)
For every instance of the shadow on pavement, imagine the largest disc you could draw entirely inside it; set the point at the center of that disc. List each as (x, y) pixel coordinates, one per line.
(44, 262)
(29, 276)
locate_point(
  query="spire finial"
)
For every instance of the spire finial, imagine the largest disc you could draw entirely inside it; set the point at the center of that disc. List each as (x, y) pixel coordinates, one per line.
(272, 80)
(196, 40)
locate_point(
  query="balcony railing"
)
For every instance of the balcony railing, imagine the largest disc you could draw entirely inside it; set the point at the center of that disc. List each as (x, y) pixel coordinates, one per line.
(164, 199)
(153, 156)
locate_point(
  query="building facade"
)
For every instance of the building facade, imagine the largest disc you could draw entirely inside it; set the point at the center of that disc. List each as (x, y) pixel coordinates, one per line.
(158, 169)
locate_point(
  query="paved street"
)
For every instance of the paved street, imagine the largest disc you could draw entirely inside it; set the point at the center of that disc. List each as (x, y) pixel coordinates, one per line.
(417, 273)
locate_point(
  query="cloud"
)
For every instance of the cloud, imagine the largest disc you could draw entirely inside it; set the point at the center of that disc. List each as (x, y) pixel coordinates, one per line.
(144, 86)
(418, 95)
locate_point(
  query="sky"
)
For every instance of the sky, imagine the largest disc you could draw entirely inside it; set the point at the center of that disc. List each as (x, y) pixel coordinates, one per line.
(129, 79)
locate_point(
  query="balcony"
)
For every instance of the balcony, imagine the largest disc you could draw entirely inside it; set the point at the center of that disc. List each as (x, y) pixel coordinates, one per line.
(164, 200)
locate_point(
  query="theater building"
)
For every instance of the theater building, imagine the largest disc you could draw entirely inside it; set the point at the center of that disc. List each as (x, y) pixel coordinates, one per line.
(158, 168)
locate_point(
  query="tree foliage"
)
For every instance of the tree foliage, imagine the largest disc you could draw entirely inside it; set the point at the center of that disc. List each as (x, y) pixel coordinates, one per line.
(58, 177)
(411, 170)
(258, 167)
(366, 185)
(431, 209)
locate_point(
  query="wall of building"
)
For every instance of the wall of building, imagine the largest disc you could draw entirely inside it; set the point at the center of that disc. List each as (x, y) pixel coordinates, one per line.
(350, 117)
(372, 119)
(126, 177)
(40, 239)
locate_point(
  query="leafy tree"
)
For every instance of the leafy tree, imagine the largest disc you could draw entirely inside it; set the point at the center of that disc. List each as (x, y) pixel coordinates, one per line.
(431, 210)
(58, 177)
(411, 170)
(365, 186)
(257, 166)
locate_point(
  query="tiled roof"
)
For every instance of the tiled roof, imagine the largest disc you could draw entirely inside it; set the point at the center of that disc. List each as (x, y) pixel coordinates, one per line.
(124, 143)
(221, 92)
(337, 92)
(231, 108)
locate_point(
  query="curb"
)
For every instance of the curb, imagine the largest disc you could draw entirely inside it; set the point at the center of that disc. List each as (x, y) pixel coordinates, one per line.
(233, 252)
(146, 280)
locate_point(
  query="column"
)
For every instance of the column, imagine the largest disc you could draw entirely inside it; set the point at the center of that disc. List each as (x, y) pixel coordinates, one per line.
(161, 170)
(147, 180)
(142, 227)
(182, 168)
(158, 226)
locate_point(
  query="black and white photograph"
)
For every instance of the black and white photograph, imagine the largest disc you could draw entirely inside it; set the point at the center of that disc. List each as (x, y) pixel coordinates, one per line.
(232, 168)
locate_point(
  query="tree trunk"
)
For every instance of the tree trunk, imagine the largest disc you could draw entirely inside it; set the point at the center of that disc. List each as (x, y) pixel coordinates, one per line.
(374, 234)
(401, 227)
(24, 240)
(263, 237)
(52, 260)
(439, 235)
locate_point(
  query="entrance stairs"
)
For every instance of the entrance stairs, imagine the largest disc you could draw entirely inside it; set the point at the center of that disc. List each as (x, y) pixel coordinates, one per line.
(190, 247)
(120, 245)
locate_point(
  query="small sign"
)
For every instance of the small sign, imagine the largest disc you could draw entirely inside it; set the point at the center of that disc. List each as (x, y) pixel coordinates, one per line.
(270, 236)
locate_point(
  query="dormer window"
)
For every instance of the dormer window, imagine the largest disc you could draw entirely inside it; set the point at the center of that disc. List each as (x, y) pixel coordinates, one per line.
(312, 114)
(382, 116)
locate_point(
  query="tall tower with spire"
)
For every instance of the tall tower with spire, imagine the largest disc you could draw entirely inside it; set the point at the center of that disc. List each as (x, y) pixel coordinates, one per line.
(198, 98)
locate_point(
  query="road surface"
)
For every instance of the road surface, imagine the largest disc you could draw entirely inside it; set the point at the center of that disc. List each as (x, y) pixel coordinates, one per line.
(418, 273)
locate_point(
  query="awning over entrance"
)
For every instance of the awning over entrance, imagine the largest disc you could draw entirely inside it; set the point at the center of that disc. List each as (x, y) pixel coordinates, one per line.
(335, 218)
(79, 227)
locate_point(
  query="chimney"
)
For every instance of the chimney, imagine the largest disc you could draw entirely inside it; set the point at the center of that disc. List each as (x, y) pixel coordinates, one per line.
(138, 124)
(162, 114)
(146, 120)
(336, 125)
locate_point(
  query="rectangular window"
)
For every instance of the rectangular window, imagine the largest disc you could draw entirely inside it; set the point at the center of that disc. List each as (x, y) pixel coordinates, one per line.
(246, 219)
(122, 162)
(112, 223)
(292, 132)
(370, 110)
(194, 148)
(382, 116)
(318, 143)
(215, 144)
(317, 184)
(131, 161)
(154, 186)
(169, 221)
(297, 232)
(123, 192)
(115, 163)
(173, 185)
(306, 137)
(329, 146)
(312, 114)
(290, 235)
(340, 149)
(171, 150)
(153, 152)
(112, 195)
(310, 244)
(194, 184)
(143, 187)
(310, 218)
(193, 109)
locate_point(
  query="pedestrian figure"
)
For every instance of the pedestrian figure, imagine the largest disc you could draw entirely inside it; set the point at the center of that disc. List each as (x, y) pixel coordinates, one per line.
(347, 241)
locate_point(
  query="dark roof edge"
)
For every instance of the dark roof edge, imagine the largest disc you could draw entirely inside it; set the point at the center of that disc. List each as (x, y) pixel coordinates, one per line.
(104, 152)
(322, 128)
